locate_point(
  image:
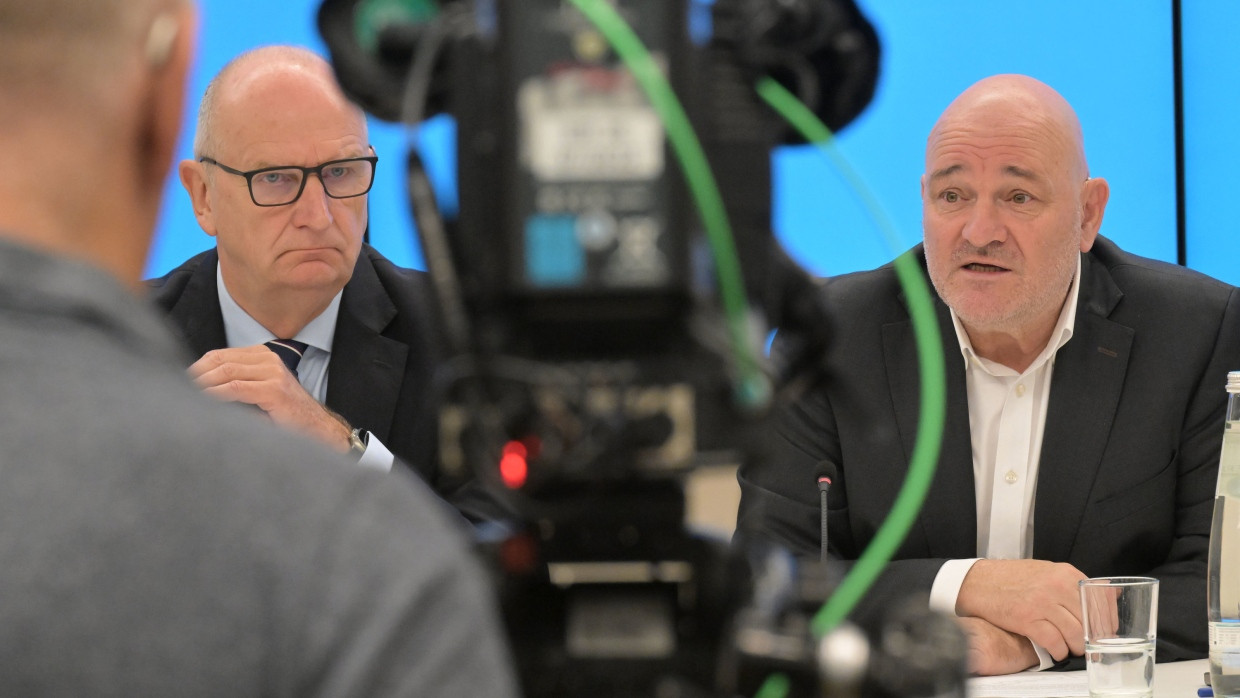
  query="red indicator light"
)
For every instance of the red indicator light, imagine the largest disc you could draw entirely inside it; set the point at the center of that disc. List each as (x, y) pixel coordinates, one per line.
(513, 468)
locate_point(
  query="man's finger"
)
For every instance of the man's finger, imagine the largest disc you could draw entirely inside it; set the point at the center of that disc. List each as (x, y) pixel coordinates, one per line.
(1046, 635)
(230, 372)
(1070, 627)
(255, 355)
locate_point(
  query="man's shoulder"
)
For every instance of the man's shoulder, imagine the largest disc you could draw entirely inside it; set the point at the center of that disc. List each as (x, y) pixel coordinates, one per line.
(201, 469)
(215, 448)
(167, 289)
(192, 491)
(1165, 303)
(867, 292)
(407, 288)
(1138, 275)
(387, 269)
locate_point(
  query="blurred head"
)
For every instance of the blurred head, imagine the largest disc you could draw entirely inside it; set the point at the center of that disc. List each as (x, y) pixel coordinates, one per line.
(1008, 205)
(273, 107)
(89, 117)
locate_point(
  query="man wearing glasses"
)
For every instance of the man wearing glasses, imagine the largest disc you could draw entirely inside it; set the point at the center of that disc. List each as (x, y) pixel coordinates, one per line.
(291, 312)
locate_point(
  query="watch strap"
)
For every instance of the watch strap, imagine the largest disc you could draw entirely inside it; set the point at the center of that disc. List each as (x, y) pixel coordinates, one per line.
(358, 438)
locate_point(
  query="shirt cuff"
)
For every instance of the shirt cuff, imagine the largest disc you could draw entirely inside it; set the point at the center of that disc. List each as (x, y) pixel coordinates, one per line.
(1045, 660)
(947, 584)
(376, 455)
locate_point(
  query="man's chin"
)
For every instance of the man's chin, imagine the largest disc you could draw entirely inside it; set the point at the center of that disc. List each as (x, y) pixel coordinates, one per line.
(979, 311)
(316, 276)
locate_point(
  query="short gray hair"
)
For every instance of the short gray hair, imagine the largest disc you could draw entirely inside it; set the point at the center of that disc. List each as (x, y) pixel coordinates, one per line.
(70, 51)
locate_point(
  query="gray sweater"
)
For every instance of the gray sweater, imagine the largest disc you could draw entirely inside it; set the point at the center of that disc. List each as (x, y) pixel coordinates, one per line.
(153, 542)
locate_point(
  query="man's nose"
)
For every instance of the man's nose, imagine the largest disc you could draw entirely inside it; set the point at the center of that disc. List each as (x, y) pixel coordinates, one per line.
(984, 225)
(312, 207)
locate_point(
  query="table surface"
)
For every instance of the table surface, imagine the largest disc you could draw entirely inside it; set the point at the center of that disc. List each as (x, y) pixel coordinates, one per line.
(1179, 678)
(1171, 680)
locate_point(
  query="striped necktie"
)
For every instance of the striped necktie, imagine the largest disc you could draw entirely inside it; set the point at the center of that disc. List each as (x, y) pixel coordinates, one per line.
(289, 351)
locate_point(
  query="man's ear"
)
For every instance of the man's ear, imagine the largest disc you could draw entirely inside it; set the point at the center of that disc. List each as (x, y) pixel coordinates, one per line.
(194, 179)
(1094, 196)
(169, 53)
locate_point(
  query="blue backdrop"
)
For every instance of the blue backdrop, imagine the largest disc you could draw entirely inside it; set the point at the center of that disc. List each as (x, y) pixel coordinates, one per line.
(1118, 74)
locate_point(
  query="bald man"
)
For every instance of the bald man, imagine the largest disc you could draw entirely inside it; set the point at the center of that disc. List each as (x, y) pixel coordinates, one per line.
(1085, 400)
(154, 542)
(281, 170)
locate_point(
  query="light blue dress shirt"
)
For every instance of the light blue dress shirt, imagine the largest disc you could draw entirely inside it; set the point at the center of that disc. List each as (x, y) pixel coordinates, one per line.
(242, 330)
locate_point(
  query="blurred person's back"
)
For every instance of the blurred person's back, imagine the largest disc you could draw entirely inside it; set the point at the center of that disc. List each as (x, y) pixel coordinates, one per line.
(152, 541)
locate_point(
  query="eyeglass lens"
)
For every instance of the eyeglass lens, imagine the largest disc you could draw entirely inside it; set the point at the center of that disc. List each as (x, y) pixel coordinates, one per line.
(341, 180)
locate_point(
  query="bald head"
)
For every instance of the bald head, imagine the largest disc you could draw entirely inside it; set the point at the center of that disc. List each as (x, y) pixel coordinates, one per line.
(1017, 105)
(250, 75)
(91, 95)
(73, 53)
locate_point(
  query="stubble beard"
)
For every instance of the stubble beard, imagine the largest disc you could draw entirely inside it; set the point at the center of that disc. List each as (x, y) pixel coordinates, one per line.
(1027, 303)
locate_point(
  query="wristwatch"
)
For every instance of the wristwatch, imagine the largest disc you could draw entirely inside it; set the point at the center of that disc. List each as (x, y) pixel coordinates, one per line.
(358, 438)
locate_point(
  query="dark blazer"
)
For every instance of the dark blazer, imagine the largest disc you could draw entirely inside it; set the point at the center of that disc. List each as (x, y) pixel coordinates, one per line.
(1129, 459)
(383, 352)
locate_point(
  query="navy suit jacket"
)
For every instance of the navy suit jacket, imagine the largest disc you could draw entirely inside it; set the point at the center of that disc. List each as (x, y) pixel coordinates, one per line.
(383, 353)
(1130, 454)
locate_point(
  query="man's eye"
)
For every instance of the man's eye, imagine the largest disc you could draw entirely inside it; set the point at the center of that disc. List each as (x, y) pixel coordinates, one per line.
(951, 197)
(1020, 198)
(274, 178)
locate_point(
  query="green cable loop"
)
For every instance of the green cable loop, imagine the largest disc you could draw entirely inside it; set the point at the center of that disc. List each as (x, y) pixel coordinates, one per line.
(776, 685)
(930, 356)
(753, 389)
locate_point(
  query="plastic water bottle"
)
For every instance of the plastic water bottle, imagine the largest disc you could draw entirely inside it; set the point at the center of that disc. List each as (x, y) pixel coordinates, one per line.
(1223, 581)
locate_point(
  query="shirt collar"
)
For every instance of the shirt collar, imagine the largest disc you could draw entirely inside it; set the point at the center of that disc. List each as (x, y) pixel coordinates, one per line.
(241, 330)
(1059, 335)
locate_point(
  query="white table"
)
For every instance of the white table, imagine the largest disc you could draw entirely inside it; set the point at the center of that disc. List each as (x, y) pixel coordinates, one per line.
(1171, 680)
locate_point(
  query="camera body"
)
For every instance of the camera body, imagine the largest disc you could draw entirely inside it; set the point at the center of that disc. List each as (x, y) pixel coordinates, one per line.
(592, 360)
(578, 246)
(592, 295)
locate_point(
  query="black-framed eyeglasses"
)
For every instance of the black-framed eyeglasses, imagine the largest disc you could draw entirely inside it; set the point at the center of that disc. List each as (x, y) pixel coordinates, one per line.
(282, 185)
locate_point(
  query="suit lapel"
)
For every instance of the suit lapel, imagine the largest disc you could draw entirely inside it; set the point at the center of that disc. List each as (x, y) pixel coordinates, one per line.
(197, 310)
(366, 369)
(947, 524)
(1085, 392)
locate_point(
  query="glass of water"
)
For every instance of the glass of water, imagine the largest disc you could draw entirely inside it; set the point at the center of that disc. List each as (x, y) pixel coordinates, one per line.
(1121, 620)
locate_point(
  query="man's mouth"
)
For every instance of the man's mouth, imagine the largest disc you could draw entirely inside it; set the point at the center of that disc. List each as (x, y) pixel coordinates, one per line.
(977, 266)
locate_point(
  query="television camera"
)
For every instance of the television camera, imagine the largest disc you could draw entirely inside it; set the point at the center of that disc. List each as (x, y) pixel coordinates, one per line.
(605, 293)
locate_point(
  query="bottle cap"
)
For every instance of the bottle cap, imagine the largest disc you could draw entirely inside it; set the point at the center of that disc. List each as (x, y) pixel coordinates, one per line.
(1233, 382)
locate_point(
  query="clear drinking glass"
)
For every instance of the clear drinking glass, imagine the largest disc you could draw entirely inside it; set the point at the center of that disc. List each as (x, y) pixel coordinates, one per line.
(1121, 621)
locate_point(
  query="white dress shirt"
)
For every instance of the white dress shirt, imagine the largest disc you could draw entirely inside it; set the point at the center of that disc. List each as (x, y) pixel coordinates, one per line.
(242, 330)
(1007, 419)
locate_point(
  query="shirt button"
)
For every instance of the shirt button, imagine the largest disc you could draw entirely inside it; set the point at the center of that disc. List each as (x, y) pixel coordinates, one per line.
(1010, 477)
(1020, 390)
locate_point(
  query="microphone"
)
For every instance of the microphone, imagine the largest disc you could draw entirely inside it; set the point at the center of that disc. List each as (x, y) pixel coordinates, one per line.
(827, 472)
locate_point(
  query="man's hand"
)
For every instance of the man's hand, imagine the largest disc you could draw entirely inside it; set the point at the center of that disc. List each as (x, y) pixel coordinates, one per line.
(1034, 598)
(256, 376)
(994, 651)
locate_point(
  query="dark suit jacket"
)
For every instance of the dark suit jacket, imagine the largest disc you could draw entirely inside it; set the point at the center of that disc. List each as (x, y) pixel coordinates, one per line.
(383, 353)
(1129, 460)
